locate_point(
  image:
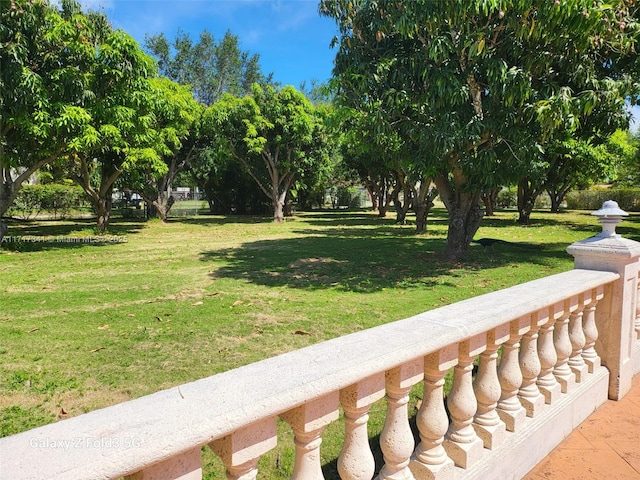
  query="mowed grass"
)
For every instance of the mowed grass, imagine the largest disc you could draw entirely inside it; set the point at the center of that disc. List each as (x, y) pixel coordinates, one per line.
(84, 326)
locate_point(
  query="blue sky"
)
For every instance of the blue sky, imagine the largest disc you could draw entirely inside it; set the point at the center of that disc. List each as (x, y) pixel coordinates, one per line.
(292, 39)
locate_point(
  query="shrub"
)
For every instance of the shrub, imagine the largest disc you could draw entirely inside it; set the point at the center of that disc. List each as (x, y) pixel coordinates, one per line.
(53, 198)
(627, 198)
(507, 198)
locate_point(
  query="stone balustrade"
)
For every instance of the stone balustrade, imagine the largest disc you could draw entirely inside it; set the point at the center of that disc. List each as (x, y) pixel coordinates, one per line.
(527, 364)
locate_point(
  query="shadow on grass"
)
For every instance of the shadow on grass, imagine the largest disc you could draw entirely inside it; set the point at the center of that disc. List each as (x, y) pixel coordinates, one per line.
(53, 234)
(206, 219)
(363, 260)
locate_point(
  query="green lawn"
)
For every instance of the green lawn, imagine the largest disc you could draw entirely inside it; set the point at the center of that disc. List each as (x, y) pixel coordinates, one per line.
(84, 326)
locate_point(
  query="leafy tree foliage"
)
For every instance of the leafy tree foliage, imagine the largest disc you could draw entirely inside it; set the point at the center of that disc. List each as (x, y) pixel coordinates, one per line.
(626, 148)
(274, 134)
(121, 134)
(211, 68)
(479, 85)
(46, 57)
(175, 139)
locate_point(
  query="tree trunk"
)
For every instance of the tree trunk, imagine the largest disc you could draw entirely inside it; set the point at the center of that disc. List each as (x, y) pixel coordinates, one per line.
(288, 208)
(3, 229)
(6, 199)
(555, 203)
(402, 208)
(490, 199)
(162, 208)
(527, 195)
(278, 210)
(103, 211)
(557, 197)
(422, 212)
(373, 196)
(465, 216)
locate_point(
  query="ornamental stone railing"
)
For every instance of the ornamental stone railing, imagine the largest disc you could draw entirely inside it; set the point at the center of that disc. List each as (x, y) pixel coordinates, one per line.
(529, 363)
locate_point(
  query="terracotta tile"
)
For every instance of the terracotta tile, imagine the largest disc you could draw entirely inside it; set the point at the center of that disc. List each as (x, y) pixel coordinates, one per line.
(576, 441)
(583, 465)
(629, 452)
(604, 446)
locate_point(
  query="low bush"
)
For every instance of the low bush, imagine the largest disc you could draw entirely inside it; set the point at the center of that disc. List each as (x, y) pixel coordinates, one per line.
(54, 199)
(627, 198)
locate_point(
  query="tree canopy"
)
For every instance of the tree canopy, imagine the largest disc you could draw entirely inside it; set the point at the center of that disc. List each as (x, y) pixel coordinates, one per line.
(477, 83)
(46, 61)
(274, 133)
(211, 68)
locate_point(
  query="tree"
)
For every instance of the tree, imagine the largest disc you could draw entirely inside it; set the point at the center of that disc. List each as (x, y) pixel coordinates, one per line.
(461, 78)
(121, 135)
(272, 133)
(624, 146)
(45, 58)
(209, 67)
(177, 141)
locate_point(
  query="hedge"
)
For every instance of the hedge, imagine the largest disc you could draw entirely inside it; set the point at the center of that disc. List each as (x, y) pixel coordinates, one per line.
(628, 198)
(52, 198)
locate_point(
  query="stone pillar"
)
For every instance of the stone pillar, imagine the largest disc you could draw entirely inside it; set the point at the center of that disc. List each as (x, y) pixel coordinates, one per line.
(356, 461)
(241, 450)
(430, 460)
(547, 382)
(396, 438)
(308, 421)
(462, 443)
(615, 316)
(186, 466)
(487, 423)
(510, 409)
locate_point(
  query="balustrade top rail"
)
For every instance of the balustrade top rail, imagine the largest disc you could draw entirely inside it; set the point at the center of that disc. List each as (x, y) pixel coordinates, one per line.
(124, 438)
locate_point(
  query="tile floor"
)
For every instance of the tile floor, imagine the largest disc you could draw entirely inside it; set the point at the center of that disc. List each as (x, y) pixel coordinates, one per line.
(606, 446)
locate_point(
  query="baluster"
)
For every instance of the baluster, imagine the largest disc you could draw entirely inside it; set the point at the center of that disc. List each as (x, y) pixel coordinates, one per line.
(186, 466)
(356, 461)
(530, 397)
(564, 375)
(308, 421)
(578, 340)
(547, 382)
(589, 353)
(510, 409)
(462, 442)
(241, 450)
(396, 439)
(430, 460)
(487, 423)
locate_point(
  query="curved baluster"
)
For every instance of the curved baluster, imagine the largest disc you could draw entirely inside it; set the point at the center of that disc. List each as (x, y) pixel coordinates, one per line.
(578, 341)
(589, 354)
(356, 461)
(241, 450)
(510, 409)
(396, 439)
(487, 423)
(462, 442)
(547, 382)
(530, 397)
(308, 421)
(430, 460)
(562, 342)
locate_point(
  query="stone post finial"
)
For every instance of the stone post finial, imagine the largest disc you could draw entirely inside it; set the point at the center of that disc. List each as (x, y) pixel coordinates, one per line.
(609, 216)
